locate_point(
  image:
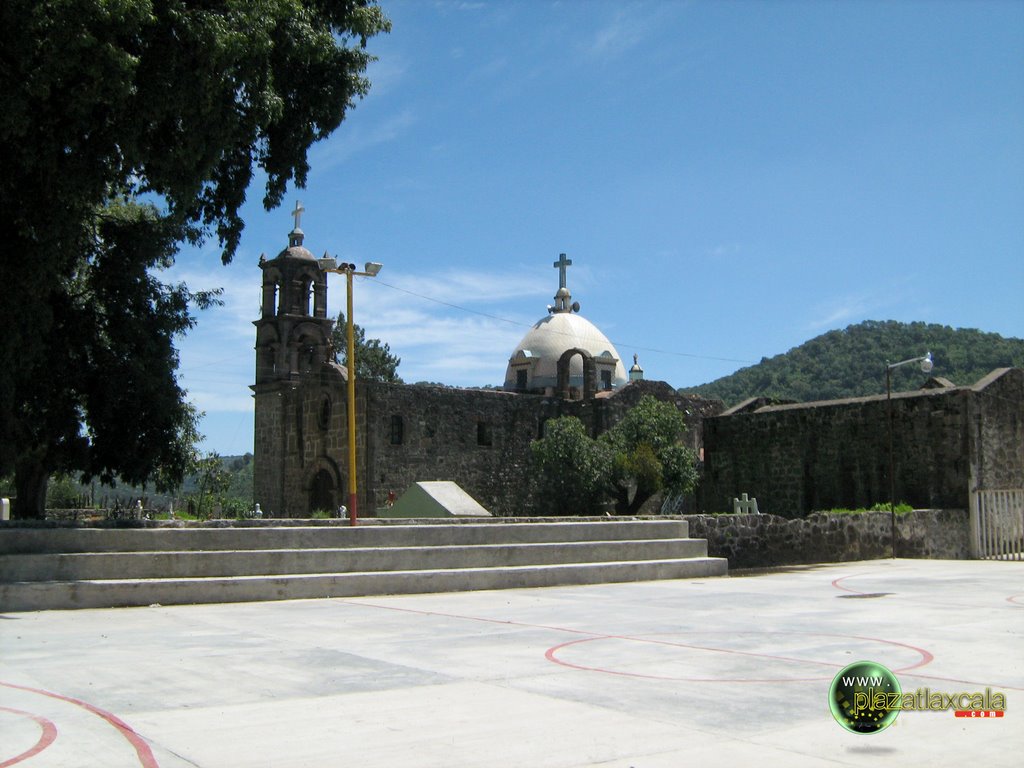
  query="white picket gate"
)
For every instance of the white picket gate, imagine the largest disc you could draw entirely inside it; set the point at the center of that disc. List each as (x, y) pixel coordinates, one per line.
(997, 524)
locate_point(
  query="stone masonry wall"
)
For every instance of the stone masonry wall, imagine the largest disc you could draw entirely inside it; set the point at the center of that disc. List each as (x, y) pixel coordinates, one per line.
(755, 541)
(997, 431)
(798, 458)
(479, 439)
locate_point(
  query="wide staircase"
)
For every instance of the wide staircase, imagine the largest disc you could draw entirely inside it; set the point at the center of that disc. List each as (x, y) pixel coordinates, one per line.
(75, 567)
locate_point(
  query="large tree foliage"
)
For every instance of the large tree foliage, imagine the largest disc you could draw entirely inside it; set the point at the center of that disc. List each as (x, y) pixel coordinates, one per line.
(649, 454)
(571, 470)
(105, 401)
(851, 362)
(637, 458)
(374, 361)
(101, 102)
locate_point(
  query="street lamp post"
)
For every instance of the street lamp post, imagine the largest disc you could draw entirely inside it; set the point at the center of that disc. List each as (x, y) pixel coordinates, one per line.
(926, 366)
(329, 264)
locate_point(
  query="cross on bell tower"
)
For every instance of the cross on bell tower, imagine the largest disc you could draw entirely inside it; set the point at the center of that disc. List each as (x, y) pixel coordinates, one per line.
(296, 236)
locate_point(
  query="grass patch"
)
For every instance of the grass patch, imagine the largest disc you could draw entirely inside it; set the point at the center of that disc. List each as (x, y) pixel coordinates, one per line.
(901, 509)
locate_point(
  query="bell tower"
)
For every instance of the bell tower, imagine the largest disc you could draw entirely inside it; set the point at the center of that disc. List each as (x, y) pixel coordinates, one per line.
(295, 384)
(293, 333)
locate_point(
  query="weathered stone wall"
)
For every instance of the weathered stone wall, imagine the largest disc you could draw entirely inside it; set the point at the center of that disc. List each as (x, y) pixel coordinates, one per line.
(755, 541)
(443, 430)
(798, 458)
(997, 431)
(478, 438)
(268, 456)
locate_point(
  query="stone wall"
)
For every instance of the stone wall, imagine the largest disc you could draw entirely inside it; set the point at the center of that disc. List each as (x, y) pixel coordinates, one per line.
(798, 458)
(756, 541)
(997, 431)
(478, 438)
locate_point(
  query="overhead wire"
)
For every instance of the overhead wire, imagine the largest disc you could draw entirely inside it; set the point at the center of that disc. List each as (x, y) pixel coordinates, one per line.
(377, 281)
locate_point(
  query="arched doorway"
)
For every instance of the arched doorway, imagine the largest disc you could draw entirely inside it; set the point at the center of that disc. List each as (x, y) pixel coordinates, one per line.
(322, 493)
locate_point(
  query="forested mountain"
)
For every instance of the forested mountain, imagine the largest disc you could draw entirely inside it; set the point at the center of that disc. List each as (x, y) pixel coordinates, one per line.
(851, 362)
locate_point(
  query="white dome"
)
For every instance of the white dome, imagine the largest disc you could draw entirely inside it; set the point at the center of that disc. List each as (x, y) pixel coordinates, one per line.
(538, 353)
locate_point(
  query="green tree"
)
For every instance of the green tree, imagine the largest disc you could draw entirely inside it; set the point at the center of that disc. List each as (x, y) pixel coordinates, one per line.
(648, 454)
(107, 402)
(101, 103)
(374, 361)
(571, 470)
(213, 480)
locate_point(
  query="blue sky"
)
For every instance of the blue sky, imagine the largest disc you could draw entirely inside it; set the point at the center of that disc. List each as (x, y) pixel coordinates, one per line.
(730, 180)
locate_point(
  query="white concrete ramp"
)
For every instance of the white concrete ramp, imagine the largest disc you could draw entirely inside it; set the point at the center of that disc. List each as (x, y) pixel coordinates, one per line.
(60, 568)
(435, 498)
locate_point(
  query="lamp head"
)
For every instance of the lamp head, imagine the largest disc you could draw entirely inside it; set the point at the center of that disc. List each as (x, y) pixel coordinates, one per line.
(927, 364)
(327, 263)
(372, 268)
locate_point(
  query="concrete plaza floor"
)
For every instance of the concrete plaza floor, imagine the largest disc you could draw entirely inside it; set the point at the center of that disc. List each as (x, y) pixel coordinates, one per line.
(731, 671)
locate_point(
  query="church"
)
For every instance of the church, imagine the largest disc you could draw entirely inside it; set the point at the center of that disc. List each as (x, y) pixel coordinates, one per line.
(934, 447)
(479, 439)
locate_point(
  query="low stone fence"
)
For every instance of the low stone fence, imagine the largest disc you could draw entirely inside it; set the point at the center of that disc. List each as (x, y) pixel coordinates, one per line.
(756, 541)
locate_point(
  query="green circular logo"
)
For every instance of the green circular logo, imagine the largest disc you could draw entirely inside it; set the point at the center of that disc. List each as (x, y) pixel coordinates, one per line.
(865, 697)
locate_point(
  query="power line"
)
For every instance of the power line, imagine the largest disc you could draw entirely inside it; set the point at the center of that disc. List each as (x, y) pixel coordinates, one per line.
(377, 281)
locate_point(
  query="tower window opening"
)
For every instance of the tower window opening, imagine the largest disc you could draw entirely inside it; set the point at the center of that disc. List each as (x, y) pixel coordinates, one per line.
(484, 434)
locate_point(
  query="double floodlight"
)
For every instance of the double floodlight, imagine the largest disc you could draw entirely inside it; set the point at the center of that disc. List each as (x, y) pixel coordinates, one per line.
(330, 264)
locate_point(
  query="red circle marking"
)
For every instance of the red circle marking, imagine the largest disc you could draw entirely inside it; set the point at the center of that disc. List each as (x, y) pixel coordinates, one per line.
(46, 738)
(552, 655)
(145, 754)
(837, 585)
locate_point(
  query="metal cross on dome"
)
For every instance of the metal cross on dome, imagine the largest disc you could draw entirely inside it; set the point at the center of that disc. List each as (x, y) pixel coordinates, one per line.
(297, 213)
(561, 265)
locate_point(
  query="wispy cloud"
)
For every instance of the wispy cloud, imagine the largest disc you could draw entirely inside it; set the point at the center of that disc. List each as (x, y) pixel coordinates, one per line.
(625, 30)
(386, 73)
(841, 310)
(355, 139)
(722, 251)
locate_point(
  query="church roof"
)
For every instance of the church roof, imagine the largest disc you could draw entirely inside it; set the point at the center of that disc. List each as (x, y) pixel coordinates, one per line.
(562, 329)
(549, 338)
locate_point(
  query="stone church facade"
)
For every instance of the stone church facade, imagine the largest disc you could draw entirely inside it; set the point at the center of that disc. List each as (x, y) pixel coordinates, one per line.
(794, 458)
(478, 438)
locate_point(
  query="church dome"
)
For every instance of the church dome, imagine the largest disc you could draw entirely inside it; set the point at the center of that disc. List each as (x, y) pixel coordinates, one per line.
(533, 366)
(539, 351)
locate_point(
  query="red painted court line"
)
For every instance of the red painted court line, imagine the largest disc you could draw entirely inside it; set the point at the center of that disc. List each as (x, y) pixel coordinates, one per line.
(145, 754)
(836, 584)
(46, 738)
(926, 656)
(551, 655)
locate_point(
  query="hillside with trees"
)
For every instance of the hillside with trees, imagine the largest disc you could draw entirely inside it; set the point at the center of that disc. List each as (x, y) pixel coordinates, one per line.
(851, 362)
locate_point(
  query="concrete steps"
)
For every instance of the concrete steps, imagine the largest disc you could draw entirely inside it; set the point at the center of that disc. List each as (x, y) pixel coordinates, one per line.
(108, 567)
